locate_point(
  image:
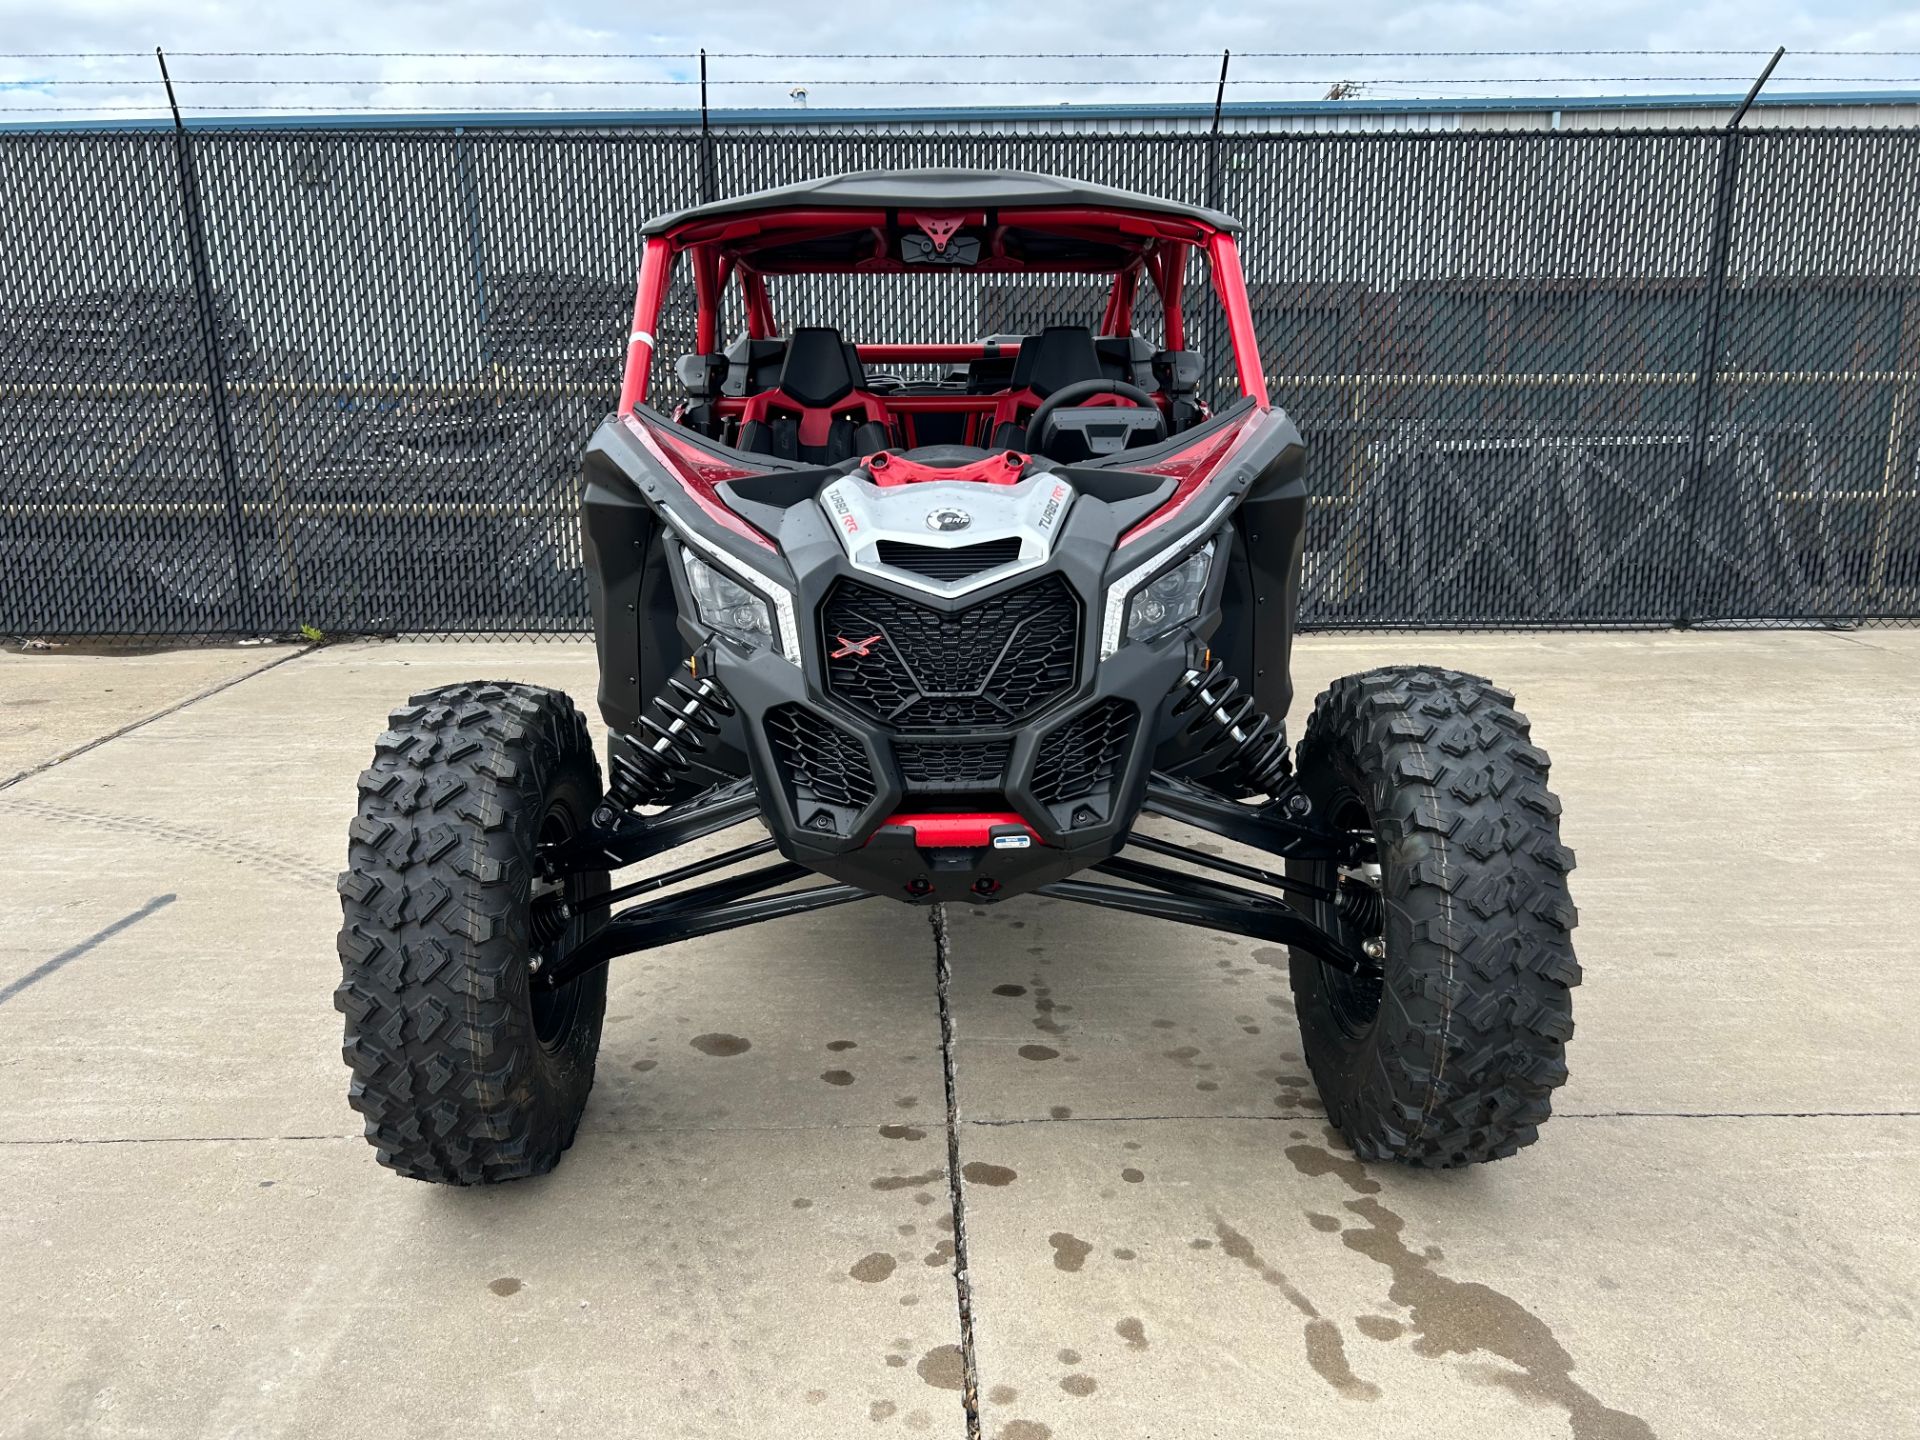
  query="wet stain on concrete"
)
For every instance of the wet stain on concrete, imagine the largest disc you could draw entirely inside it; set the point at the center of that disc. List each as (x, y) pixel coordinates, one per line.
(942, 1254)
(1120, 1252)
(1132, 1176)
(1061, 1112)
(880, 1410)
(1182, 1054)
(1326, 1350)
(943, 1368)
(837, 1077)
(644, 1065)
(871, 1269)
(1327, 1353)
(1010, 991)
(1200, 1244)
(902, 1132)
(1379, 1327)
(1462, 1317)
(1069, 1251)
(1082, 1385)
(1044, 1009)
(1163, 1024)
(506, 1285)
(906, 1102)
(802, 1203)
(838, 1045)
(1068, 1357)
(906, 1182)
(980, 1172)
(1023, 1430)
(1038, 1052)
(1133, 1332)
(719, 1044)
(1002, 1395)
(1312, 1161)
(1326, 1224)
(898, 1362)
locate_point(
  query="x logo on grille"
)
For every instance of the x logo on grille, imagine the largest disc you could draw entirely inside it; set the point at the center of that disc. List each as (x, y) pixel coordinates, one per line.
(848, 647)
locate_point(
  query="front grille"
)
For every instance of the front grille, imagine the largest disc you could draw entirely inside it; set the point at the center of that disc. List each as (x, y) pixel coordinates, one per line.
(1085, 754)
(949, 564)
(820, 763)
(917, 668)
(952, 764)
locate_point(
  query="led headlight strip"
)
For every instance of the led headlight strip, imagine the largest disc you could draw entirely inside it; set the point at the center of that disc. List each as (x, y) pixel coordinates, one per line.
(776, 595)
(1114, 618)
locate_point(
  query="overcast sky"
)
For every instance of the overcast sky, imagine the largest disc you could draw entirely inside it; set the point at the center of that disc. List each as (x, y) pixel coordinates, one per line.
(590, 35)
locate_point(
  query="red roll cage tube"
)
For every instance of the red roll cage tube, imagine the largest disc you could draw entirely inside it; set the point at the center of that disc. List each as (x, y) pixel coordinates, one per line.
(730, 249)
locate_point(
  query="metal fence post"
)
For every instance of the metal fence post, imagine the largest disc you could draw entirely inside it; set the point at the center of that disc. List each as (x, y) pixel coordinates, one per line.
(1716, 288)
(706, 139)
(202, 272)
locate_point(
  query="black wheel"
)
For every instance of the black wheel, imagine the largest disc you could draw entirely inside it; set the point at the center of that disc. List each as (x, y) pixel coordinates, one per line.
(1447, 1049)
(466, 1072)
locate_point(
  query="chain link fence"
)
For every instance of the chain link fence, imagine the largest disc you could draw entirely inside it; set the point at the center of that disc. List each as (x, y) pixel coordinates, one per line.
(255, 381)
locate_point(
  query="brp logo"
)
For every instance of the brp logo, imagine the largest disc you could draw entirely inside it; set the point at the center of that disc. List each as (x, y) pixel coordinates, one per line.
(948, 518)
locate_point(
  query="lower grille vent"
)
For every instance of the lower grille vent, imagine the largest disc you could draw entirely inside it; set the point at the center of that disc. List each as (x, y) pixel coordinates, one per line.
(821, 763)
(1085, 754)
(952, 765)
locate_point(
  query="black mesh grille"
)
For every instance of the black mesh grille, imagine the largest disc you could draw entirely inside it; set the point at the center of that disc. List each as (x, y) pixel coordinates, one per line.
(1085, 754)
(918, 668)
(820, 762)
(955, 564)
(952, 764)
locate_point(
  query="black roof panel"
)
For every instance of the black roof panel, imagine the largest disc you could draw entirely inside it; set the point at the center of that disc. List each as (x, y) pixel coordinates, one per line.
(940, 190)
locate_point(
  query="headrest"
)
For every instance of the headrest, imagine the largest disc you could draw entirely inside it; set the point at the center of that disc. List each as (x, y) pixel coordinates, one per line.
(1058, 356)
(821, 368)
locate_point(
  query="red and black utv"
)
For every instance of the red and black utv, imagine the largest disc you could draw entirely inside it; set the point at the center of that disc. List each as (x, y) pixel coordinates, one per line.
(955, 621)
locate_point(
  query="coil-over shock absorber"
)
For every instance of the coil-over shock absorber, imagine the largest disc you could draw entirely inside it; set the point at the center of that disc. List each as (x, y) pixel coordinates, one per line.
(1228, 720)
(659, 756)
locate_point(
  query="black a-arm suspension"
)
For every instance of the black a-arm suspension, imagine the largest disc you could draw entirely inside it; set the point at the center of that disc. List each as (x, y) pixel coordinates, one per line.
(722, 904)
(1170, 894)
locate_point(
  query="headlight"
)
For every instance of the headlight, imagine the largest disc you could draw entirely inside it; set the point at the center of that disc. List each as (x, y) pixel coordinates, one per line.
(1170, 598)
(726, 605)
(1153, 603)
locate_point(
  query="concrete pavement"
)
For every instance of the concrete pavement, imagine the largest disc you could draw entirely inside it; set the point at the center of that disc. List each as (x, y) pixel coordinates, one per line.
(755, 1232)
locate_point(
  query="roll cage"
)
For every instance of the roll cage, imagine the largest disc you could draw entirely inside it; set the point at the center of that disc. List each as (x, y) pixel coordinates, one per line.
(739, 249)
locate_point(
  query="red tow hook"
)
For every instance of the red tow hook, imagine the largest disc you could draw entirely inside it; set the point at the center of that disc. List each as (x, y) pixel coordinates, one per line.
(1000, 830)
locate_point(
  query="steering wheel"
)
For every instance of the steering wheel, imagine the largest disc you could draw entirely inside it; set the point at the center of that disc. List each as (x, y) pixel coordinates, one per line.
(1041, 422)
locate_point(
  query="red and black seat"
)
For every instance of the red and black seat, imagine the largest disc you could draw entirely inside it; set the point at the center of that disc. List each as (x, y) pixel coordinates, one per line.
(1057, 357)
(820, 408)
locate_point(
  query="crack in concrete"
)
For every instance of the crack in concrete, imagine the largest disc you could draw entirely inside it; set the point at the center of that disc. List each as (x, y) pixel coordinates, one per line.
(92, 942)
(173, 709)
(956, 1190)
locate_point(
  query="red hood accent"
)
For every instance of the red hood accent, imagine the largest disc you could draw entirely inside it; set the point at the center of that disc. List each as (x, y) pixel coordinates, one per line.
(1005, 468)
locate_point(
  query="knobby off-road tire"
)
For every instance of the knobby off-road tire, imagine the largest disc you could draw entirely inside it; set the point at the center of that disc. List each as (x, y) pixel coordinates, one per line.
(1450, 1055)
(464, 1071)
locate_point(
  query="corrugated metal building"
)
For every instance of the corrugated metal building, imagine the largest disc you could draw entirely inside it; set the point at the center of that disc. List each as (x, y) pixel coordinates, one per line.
(1831, 109)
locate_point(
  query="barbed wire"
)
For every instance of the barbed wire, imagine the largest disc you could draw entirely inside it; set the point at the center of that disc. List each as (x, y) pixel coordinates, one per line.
(893, 55)
(538, 81)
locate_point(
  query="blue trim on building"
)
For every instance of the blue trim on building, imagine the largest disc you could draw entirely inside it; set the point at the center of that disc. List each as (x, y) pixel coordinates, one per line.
(798, 115)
